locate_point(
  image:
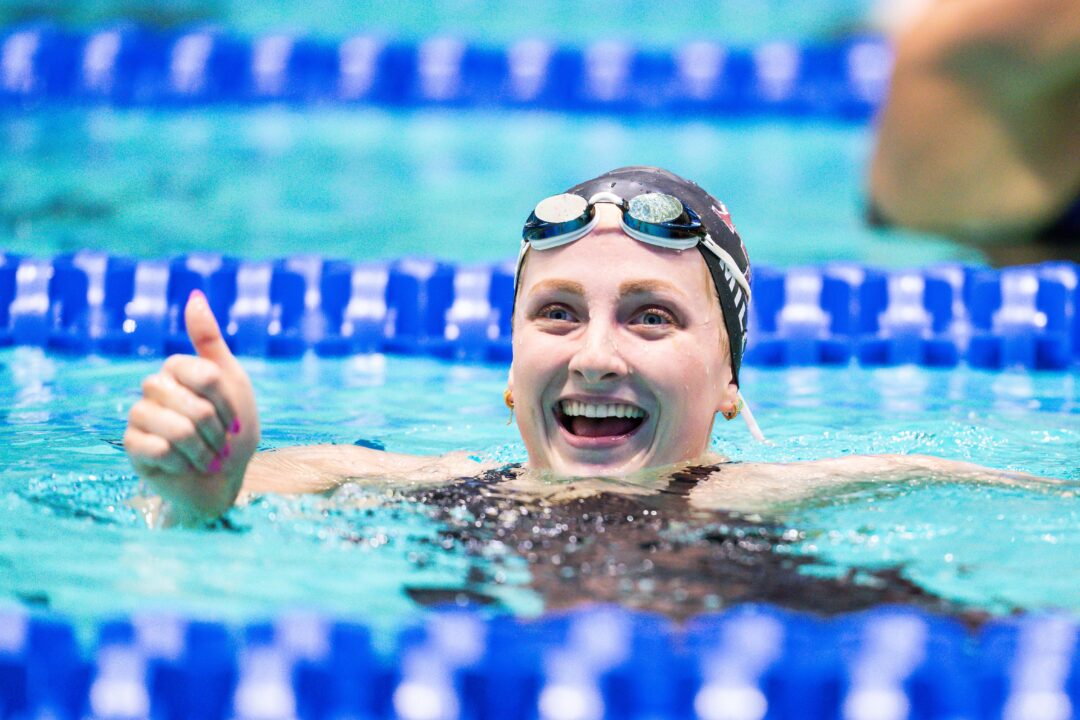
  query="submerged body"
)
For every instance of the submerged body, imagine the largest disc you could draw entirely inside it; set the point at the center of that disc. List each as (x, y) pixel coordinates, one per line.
(764, 489)
(663, 540)
(651, 548)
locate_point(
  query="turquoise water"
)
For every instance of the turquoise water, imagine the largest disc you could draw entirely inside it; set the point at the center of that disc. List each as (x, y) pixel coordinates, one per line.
(363, 184)
(71, 542)
(644, 22)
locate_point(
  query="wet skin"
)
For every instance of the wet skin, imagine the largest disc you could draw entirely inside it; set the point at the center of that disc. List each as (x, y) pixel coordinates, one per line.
(608, 320)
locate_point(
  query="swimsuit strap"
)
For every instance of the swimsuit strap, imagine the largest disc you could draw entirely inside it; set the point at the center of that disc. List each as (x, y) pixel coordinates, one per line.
(680, 483)
(685, 480)
(498, 475)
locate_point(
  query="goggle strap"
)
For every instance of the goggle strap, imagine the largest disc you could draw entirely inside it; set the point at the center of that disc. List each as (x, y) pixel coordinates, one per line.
(517, 268)
(751, 423)
(729, 262)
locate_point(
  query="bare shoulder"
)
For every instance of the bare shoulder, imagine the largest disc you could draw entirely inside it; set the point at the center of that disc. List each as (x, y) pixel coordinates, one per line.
(760, 487)
(318, 468)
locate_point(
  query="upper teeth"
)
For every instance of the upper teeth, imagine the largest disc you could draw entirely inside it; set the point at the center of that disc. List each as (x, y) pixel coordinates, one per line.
(593, 410)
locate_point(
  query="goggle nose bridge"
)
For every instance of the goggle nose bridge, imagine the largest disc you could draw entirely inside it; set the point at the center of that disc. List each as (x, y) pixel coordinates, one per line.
(608, 197)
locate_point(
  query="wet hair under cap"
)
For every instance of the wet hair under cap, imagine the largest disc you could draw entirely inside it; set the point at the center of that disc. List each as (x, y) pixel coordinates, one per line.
(629, 182)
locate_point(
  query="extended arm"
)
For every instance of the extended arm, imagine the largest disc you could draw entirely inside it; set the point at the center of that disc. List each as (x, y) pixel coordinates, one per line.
(318, 468)
(979, 137)
(758, 487)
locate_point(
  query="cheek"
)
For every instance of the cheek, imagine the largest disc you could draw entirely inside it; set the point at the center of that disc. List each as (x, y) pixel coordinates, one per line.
(683, 363)
(537, 358)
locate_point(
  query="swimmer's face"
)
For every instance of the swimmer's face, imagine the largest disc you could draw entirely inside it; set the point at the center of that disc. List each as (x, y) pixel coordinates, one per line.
(620, 354)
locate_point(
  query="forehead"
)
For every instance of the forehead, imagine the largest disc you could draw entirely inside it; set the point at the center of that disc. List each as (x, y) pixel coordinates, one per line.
(607, 258)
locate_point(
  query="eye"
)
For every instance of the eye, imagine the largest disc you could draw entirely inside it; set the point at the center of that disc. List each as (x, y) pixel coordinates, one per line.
(556, 312)
(654, 317)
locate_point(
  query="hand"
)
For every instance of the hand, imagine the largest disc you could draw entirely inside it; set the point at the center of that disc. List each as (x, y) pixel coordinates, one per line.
(192, 434)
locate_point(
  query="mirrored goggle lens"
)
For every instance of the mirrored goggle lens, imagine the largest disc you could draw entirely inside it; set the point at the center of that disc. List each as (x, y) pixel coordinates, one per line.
(655, 208)
(559, 209)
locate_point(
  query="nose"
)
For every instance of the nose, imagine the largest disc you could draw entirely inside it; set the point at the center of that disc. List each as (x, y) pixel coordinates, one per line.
(598, 360)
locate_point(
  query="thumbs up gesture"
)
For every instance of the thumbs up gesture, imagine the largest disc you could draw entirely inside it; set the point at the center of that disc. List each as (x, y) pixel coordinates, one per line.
(192, 434)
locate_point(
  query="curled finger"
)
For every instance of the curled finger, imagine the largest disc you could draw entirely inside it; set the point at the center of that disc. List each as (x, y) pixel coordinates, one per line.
(153, 455)
(178, 430)
(204, 378)
(163, 389)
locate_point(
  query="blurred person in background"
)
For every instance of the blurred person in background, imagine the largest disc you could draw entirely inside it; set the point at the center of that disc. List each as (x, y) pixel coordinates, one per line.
(979, 139)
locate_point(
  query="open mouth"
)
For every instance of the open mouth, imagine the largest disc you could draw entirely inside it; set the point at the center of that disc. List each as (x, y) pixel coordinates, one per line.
(598, 420)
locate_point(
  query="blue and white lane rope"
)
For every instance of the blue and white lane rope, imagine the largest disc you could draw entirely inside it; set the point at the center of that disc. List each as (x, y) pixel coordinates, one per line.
(750, 662)
(835, 314)
(128, 65)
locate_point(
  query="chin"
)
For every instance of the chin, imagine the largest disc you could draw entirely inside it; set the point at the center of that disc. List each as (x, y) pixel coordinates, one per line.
(579, 468)
(616, 461)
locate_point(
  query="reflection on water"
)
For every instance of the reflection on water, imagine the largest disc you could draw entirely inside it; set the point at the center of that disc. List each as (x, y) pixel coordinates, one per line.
(31, 378)
(902, 389)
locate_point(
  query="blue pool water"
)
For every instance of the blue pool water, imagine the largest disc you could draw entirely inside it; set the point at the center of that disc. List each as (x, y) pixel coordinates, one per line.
(71, 542)
(365, 184)
(362, 184)
(489, 20)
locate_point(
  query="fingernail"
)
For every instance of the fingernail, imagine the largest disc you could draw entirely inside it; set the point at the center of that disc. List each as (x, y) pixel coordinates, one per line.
(214, 466)
(226, 451)
(196, 294)
(235, 426)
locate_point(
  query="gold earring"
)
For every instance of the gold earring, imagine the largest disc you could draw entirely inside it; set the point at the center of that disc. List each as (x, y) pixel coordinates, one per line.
(733, 413)
(508, 398)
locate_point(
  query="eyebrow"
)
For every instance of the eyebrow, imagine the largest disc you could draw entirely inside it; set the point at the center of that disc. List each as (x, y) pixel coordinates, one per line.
(641, 287)
(566, 286)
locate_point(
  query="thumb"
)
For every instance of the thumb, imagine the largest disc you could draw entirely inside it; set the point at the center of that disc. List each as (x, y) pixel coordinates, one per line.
(203, 329)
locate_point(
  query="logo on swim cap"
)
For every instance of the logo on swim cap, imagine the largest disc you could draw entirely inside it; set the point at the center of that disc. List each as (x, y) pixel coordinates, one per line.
(720, 210)
(725, 217)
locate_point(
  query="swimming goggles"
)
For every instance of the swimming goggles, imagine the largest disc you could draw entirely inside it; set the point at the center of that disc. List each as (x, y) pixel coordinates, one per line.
(653, 218)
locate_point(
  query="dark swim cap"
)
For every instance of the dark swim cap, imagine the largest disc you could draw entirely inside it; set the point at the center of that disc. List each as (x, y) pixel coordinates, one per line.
(629, 182)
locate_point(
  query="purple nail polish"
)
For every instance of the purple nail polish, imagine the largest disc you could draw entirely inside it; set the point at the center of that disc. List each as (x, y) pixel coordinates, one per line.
(214, 466)
(235, 426)
(226, 451)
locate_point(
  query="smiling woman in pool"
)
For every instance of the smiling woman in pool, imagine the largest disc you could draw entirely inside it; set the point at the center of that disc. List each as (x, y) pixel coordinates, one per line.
(629, 330)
